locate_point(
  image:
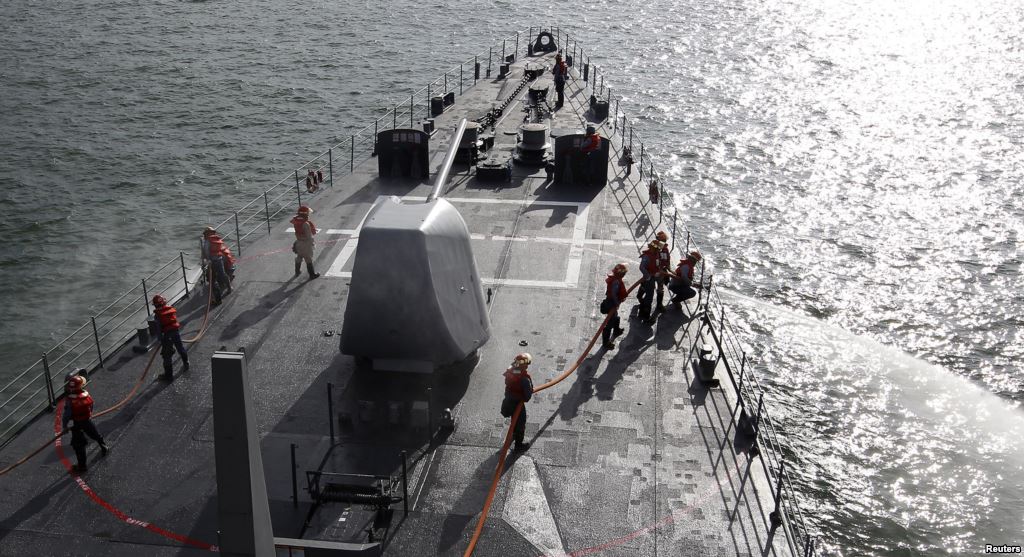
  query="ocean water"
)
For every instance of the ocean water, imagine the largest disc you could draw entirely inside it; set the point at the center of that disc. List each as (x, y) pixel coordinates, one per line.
(852, 170)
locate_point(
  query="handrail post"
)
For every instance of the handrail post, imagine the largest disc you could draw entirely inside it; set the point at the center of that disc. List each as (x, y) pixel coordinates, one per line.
(184, 276)
(461, 78)
(503, 51)
(490, 54)
(394, 118)
(51, 399)
(352, 156)
(330, 410)
(96, 337)
(330, 157)
(295, 482)
(145, 297)
(238, 236)
(405, 486)
(298, 193)
(743, 365)
(775, 517)
(641, 159)
(516, 51)
(426, 109)
(410, 111)
(445, 88)
(266, 206)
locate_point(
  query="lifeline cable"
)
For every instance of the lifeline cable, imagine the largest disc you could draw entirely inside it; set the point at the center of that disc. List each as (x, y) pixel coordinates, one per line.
(515, 415)
(131, 394)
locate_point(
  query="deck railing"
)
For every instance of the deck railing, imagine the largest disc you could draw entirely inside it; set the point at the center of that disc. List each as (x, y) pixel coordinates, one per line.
(645, 214)
(38, 388)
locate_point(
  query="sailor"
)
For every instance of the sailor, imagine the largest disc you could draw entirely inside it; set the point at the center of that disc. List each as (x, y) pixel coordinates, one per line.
(664, 263)
(591, 145)
(615, 294)
(518, 388)
(211, 250)
(167, 328)
(228, 260)
(561, 74)
(303, 246)
(650, 274)
(78, 415)
(681, 283)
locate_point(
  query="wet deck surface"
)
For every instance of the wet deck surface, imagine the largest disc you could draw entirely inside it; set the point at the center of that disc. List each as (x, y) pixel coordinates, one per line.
(631, 455)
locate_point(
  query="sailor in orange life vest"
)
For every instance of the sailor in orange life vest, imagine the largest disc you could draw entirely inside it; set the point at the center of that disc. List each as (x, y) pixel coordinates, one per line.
(561, 73)
(303, 246)
(681, 283)
(167, 328)
(664, 262)
(518, 388)
(651, 273)
(615, 294)
(212, 253)
(590, 146)
(78, 413)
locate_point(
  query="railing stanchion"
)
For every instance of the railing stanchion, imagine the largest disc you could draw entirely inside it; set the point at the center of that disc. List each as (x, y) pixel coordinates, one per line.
(502, 51)
(461, 78)
(184, 276)
(516, 51)
(352, 156)
(330, 410)
(775, 517)
(266, 206)
(394, 118)
(476, 68)
(641, 159)
(96, 337)
(410, 110)
(426, 109)
(330, 158)
(50, 397)
(295, 481)
(490, 54)
(297, 192)
(405, 486)
(145, 297)
(739, 385)
(238, 236)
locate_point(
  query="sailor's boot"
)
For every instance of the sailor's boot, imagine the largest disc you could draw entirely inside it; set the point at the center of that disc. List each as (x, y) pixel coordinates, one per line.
(298, 267)
(80, 456)
(184, 362)
(312, 274)
(168, 373)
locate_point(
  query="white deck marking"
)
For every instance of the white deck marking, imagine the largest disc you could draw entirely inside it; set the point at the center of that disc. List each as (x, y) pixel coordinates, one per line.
(574, 263)
(332, 231)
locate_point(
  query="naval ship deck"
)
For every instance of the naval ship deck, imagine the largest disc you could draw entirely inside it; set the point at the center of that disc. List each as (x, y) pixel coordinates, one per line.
(631, 455)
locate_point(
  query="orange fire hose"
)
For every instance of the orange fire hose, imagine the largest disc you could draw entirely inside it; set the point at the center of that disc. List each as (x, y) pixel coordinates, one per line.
(515, 415)
(131, 394)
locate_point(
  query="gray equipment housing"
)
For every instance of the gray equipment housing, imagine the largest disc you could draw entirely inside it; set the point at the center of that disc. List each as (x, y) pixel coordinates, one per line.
(415, 301)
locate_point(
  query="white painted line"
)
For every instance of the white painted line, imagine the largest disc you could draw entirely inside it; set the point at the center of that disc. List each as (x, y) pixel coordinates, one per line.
(332, 231)
(339, 262)
(492, 201)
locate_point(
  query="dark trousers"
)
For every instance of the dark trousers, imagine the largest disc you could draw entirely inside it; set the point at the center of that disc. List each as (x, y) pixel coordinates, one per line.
(560, 90)
(221, 282)
(78, 441)
(508, 407)
(682, 292)
(661, 291)
(171, 341)
(646, 297)
(613, 323)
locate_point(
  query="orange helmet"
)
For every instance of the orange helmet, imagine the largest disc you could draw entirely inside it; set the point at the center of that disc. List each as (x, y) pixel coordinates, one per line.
(159, 301)
(661, 236)
(655, 245)
(695, 255)
(304, 210)
(620, 269)
(77, 383)
(209, 230)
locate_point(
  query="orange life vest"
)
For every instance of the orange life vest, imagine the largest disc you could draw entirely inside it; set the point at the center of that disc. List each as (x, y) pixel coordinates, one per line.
(650, 261)
(168, 317)
(514, 383)
(297, 223)
(615, 286)
(591, 143)
(81, 406)
(664, 257)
